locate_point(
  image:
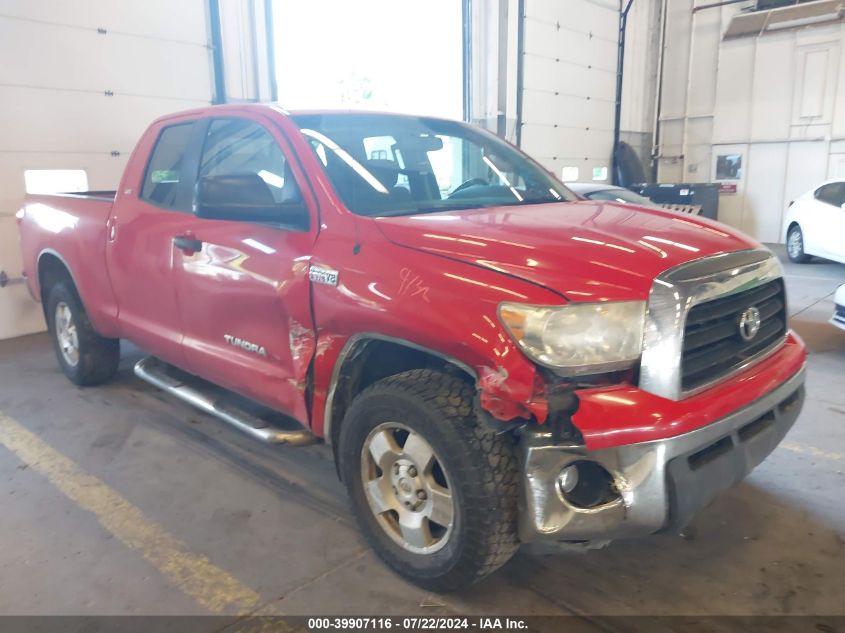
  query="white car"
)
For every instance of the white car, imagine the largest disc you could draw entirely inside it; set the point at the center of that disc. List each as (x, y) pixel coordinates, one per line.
(839, 308)
(815, 224)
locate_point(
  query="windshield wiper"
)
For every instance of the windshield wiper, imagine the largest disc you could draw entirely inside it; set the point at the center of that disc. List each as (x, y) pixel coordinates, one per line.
(540, 200)
(420, 210)
(468, 205)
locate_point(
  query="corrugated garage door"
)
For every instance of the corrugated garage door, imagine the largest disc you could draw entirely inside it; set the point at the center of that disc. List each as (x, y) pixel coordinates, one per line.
(87, 78)
(569, 85)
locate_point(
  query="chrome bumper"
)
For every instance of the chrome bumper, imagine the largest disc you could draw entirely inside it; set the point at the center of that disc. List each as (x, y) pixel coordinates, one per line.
(661, 484)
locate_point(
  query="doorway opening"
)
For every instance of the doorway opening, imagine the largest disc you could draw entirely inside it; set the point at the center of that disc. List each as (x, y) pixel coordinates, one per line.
(382, 55)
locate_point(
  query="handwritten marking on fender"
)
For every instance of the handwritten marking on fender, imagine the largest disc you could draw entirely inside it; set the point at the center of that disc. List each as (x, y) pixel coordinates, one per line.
(411, 285)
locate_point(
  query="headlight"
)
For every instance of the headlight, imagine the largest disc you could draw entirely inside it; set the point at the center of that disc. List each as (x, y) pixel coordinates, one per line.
(578, 338)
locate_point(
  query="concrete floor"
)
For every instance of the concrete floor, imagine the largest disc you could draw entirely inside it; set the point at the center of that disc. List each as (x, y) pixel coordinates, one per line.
(275, 520)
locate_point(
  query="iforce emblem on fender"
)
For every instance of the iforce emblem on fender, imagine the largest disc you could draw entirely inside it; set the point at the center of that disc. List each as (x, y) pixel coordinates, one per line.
(320, 275)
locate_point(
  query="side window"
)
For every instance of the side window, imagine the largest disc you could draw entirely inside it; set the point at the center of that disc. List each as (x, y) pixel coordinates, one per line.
(166, 169)
(834, 194)
(238, 149)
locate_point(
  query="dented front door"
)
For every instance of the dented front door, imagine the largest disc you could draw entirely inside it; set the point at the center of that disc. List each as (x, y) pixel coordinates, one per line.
(243, 288)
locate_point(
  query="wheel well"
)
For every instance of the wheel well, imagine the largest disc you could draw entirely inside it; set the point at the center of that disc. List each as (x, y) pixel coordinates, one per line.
(51, 270)
(370, 360)
(791, 224)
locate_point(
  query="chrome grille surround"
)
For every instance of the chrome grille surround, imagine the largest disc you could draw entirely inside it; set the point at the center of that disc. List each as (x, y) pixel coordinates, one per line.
(675, 292)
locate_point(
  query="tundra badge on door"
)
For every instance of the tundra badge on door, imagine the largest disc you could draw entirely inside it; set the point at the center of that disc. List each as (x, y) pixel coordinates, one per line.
(245, 345)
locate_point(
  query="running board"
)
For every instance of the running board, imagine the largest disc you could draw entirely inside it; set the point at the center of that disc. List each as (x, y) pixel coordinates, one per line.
(154, 372)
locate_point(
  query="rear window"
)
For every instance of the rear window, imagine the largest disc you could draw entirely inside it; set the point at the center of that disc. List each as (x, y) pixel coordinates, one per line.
(167, 168)
(833, 193)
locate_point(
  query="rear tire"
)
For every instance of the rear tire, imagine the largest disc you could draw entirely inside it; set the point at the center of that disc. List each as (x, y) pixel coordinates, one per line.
(434, 493)
(795, 245)
(85, 357)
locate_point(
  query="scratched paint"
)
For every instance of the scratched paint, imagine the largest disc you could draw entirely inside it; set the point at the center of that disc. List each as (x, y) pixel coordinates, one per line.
(325, 344)
(492, 379)
(301, 341)
(212, 587)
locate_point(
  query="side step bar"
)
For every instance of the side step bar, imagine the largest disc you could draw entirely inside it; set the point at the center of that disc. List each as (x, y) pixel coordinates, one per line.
(154, 372)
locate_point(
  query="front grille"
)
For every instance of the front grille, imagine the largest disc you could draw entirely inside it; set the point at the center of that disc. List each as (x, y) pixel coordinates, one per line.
(713, 346)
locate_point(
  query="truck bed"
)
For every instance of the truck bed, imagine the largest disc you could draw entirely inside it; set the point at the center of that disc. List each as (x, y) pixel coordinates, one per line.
(72, 228)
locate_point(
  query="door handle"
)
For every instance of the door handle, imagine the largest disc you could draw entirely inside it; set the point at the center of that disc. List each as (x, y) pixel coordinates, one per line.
(187, 244)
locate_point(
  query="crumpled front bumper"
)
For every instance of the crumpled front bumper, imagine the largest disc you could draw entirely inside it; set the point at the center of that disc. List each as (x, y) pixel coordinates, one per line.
(659, 485)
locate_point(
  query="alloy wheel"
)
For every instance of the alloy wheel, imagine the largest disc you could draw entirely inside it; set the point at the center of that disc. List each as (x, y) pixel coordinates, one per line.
(66, 334)
(795, 244)
(407, 488)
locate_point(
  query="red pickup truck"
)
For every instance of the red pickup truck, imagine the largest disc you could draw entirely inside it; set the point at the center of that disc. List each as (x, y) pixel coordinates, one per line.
(493, 360)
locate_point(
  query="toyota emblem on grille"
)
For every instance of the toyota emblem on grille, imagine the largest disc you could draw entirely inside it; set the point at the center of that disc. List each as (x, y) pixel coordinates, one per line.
(749, 323)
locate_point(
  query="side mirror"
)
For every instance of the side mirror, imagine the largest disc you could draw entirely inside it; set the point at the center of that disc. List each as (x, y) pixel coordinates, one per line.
(247, 198)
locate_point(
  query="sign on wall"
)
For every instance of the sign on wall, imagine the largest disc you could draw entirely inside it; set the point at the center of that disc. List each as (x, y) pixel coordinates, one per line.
(729, 167)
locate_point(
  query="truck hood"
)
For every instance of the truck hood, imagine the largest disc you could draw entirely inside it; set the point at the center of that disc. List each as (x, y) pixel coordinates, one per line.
(585, 250)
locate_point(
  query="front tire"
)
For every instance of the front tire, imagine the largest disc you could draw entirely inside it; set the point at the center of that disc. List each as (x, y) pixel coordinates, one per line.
(434, 492)
(85, 357)
(795, 245)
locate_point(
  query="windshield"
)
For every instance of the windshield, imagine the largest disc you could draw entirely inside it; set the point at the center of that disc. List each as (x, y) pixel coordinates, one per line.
(398, 165)
(620, 195)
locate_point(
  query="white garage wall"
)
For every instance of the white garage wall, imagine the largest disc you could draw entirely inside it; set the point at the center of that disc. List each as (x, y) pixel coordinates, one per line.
(778, 99)
(569, 85)
(569, 77)
(79, 82)
(570, 81)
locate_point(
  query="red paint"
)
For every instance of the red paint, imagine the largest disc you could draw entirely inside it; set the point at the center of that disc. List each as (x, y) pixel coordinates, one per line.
(434, 281)
(615, 416)
(586, 250)
(75, 228)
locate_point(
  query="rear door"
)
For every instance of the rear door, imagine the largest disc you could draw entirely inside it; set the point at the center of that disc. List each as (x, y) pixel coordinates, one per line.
(244, 295)
(146, 218)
